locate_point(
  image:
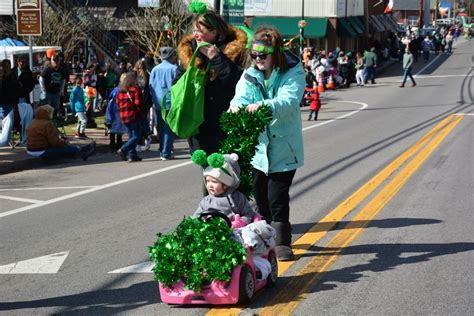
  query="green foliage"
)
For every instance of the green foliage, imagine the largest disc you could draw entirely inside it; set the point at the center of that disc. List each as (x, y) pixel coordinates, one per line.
(243, 129)
(198, 251)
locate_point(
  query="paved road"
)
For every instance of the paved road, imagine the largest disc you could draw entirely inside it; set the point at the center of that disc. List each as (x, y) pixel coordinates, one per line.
(387, 191)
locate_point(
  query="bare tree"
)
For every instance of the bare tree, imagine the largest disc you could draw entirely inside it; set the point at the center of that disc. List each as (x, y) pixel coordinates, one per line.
(59, 29)
(163, 26)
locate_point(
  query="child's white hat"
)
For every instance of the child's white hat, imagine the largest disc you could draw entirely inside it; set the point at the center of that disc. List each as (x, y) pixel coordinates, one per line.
(228, 173)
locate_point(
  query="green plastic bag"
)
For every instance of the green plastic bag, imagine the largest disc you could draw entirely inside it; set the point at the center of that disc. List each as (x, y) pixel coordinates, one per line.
(186, 113)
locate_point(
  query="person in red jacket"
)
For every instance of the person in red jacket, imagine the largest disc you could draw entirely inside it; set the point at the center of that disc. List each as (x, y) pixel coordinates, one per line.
(129, 101)
(312, 95)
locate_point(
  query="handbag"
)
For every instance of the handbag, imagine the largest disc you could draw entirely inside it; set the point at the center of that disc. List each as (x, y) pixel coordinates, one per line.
(186, 113)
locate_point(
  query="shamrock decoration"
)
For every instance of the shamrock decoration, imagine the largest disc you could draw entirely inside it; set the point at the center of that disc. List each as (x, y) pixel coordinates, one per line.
(197, 7)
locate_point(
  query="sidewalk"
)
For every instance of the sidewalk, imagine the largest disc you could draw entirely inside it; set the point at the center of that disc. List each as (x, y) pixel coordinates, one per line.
(16, 159)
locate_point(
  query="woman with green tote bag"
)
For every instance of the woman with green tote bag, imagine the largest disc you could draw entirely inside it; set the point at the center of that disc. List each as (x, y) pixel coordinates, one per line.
(223, 60)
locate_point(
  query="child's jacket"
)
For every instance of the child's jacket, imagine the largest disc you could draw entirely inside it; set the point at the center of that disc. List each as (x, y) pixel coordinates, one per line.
(129, 104)
(76, 100)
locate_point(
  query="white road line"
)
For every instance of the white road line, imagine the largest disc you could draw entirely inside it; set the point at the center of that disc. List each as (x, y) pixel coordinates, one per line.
(41, 265)
(468, 114)
(144, 267)
(443, 76)
(97, 188)
(112, 184)
(364, 105)
(19, 199)
(49, 188)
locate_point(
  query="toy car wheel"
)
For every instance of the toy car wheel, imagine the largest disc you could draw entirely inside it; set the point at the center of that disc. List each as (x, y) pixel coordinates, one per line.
(272, 278)
(246, 285)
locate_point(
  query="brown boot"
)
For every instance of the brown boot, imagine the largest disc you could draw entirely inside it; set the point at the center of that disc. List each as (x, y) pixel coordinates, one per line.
(283, 241)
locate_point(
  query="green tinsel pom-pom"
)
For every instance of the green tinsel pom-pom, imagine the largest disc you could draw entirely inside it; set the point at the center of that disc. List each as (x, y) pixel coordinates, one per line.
(243, 129)
(197, 7)
(215, 160)
(196, 252)
(199, 157)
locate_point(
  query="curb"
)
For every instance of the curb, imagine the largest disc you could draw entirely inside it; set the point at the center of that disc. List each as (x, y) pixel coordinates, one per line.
(34, 162)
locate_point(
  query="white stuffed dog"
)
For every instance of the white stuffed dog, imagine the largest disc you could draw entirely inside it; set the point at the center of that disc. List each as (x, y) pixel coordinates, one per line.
(258, 236)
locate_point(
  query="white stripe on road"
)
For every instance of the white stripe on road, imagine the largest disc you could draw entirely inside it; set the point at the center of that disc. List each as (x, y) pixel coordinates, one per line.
(50, 188)
(364, 105)
(105, 186)
(443, 76)
(97, 188)
(144, 267)
(45, 264)
(19, 199)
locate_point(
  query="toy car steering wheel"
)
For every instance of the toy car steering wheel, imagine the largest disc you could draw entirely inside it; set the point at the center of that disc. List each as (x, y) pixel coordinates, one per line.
(215, 213)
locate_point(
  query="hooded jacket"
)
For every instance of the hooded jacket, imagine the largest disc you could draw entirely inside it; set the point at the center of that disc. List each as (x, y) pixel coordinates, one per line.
(225, 72)
(231, 202)
(41, 133)
(280, 146)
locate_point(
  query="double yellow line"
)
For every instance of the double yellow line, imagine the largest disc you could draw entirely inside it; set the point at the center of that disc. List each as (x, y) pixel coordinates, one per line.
(285, 301)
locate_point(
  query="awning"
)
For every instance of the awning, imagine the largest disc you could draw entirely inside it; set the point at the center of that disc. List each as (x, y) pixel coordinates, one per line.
(289, 27)
(386, 21)
(356, 24)
(375, 24)
(344, 29)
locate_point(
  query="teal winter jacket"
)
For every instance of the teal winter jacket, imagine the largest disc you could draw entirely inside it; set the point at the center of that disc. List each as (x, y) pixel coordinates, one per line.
(280, 146)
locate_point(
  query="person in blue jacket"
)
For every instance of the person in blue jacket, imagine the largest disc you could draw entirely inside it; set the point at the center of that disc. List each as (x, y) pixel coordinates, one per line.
(276, 78)
(113, 123)
(78, 108)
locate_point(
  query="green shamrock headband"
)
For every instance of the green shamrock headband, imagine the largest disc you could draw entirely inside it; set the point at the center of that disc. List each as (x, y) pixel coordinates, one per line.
(263, 47)
(197, 7)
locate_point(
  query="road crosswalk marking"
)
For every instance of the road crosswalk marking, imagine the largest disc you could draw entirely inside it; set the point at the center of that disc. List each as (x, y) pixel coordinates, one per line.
(13, 198)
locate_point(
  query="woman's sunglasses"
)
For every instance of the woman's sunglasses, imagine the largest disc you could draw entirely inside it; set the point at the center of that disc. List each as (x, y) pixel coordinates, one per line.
(262, 56)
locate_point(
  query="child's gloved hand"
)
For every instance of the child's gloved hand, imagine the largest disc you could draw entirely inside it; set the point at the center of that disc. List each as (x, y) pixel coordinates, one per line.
(238, 222)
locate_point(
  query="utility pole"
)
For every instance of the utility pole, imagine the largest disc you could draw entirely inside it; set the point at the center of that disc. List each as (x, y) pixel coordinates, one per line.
(302, 30)
(420, 18)
(366, 23)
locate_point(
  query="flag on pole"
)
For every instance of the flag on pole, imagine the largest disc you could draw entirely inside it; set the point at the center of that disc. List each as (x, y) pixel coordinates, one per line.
(389, 7)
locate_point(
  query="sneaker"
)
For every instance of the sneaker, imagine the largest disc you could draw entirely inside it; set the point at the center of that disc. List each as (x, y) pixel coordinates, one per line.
(166, 158)
(138, 148)
(147, 143)
(82, 135)
(134, 159)
(88, 150)
(122, 154)
(413, 85)
(402, 86)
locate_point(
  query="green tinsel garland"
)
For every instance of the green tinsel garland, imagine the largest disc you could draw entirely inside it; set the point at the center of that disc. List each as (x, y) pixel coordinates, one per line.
(243, 129)
(199, 251)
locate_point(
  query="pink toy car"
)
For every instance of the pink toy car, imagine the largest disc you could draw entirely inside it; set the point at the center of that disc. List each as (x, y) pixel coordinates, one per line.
(241, 288)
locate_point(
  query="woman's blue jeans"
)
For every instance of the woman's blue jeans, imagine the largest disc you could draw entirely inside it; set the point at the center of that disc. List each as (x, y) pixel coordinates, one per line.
(134, 130)
(6, 113)
(165, 135)
(53, 153)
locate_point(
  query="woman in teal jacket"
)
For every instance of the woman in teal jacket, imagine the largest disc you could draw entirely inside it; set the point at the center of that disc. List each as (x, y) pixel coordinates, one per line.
(276, 78)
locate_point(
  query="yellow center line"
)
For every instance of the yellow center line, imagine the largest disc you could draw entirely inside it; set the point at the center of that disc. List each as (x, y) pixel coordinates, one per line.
(286, 301)
(320, 229)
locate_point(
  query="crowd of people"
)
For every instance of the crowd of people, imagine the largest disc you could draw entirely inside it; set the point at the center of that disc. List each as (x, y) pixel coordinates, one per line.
(347, 67)
(136, 99)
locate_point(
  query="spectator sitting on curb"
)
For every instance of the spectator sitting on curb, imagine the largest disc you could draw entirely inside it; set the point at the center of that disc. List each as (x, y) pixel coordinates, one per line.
(43, 139)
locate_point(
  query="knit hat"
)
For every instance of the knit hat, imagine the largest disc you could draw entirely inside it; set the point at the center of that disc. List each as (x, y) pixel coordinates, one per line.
(228, 173)
(167, 52)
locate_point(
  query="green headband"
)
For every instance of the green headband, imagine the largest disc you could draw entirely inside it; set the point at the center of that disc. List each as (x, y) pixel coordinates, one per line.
(201, 8)
(263, 47)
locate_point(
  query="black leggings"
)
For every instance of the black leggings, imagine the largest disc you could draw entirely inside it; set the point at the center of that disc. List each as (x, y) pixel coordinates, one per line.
(272, 194)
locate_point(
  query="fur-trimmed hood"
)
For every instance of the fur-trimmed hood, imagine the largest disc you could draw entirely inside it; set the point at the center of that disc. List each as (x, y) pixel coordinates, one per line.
(232, 49)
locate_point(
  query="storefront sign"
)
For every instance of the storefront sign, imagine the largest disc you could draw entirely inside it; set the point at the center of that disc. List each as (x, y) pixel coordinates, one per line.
(233, 11)
(149, 3)
(258, 6)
